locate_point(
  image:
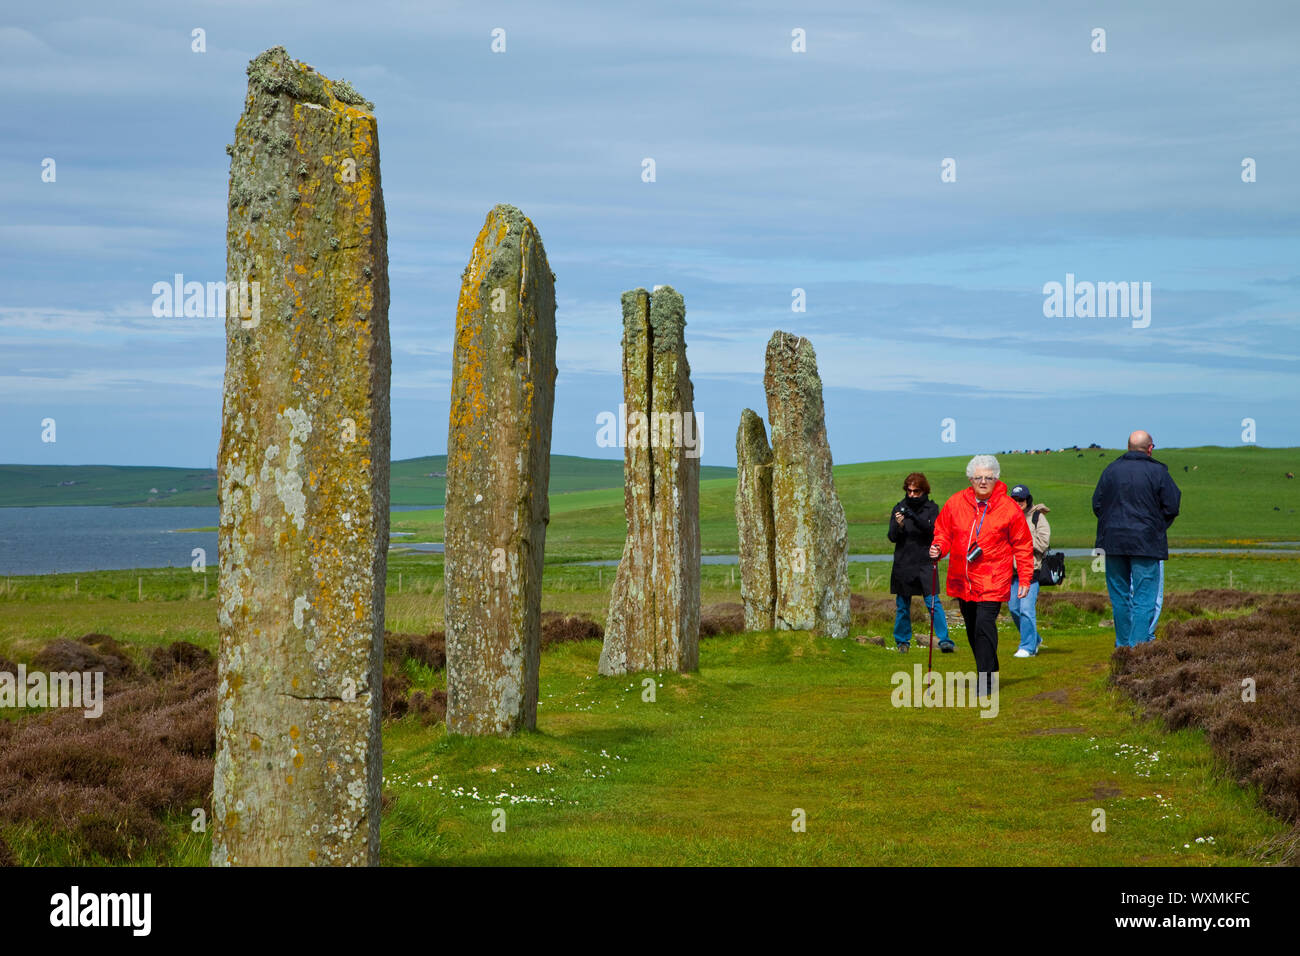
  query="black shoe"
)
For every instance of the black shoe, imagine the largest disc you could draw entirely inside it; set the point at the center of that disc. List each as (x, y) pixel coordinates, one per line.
(903, 648)
(947, 647)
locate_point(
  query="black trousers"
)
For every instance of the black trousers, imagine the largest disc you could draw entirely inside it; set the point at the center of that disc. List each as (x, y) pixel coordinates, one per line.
(981, 619)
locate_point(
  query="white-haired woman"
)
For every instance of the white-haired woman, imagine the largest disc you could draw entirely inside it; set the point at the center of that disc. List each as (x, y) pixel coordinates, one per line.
(984, 533)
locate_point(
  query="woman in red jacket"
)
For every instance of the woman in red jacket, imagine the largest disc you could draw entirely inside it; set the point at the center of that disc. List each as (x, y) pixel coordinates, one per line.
(984, 530)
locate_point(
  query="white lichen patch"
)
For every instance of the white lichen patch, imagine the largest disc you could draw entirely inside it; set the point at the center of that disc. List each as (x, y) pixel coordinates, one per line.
(300, 604)
(288, 481)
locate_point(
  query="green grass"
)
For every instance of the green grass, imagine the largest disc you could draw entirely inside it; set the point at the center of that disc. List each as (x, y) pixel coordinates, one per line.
(711, 772)
(36, 846)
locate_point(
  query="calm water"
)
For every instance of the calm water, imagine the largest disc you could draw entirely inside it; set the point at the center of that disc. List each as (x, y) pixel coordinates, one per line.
(104, 538)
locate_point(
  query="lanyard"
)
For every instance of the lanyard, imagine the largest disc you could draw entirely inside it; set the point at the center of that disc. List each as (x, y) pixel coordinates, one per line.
(975, 529)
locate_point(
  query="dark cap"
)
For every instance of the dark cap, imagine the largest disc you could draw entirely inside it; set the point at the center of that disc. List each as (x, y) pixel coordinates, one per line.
(1020, 491)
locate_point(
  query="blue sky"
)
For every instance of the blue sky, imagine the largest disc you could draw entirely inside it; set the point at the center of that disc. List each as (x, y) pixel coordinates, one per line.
(775, 170)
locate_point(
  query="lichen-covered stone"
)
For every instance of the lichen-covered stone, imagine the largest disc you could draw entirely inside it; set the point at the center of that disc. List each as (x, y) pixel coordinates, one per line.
(654, 609)
(812, 585)
(498, 470)
(303, 480)
(754, 523)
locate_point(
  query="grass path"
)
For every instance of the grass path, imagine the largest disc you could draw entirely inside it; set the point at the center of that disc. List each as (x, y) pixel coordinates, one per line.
(712, 771)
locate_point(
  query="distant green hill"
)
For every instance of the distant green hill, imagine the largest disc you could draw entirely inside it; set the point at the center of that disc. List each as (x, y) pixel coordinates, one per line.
(414, 481)
(31, 485)
(1231, 496)
(410, 483)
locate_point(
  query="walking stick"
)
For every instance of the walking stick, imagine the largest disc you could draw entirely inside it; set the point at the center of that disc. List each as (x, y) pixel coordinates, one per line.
(934, 596)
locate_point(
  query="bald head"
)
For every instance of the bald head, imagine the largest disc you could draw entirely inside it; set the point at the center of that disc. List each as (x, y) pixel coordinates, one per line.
(1140, 441)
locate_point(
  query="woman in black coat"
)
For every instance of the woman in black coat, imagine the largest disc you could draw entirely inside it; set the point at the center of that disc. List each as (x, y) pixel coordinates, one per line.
(911, 528)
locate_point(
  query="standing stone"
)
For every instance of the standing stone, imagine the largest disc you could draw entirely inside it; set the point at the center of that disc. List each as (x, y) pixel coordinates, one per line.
(812, 586)
(303, 478)
(498, 469)
(654, 608)
(754, 523)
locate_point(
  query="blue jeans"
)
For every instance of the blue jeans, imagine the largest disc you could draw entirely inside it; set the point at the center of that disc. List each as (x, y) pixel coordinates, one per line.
(1160, 600)
(903, 619)
(1134, 584)
(1024, 614)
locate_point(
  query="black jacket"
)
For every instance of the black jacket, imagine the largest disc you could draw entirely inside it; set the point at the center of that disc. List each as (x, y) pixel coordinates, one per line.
(912, 573)
(1135, 502)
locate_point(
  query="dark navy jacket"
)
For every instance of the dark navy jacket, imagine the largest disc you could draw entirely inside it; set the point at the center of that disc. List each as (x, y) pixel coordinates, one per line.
(1135, 502)
(913, 571)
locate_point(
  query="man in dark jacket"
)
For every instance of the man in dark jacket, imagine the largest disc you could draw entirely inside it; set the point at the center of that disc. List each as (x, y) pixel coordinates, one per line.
(1135, 503)
(911, 528)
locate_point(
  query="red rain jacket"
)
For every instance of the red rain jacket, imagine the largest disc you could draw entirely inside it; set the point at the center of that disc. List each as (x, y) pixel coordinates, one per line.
(1004, 535)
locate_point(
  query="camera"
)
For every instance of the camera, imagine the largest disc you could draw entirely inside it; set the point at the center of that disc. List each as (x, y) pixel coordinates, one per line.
(974, 554)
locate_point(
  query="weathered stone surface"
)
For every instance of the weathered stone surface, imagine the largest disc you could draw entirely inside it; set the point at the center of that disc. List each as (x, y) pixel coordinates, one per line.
(812, 585)
(498, 470)
(755, 524)
(303, 473)
(654, 609)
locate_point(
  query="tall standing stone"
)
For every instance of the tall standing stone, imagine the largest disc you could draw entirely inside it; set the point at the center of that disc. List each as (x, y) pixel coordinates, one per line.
(755, 523)
(654, 609)
(811, 535)
(498, 469)
(303, 478)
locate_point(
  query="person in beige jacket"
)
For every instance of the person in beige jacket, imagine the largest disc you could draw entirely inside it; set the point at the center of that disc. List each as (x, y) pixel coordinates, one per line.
(1024, 611)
